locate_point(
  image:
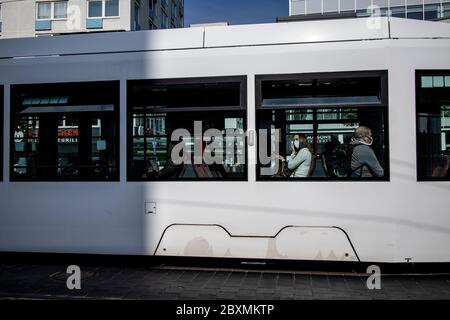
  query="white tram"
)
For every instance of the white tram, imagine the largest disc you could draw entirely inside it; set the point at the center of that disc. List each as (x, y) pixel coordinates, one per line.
(88, 123)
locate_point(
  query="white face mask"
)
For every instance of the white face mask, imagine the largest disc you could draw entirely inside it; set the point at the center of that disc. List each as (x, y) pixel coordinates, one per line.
(297, 144)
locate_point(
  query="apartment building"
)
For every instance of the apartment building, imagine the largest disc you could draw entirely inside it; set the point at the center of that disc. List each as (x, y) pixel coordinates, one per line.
(30, 18)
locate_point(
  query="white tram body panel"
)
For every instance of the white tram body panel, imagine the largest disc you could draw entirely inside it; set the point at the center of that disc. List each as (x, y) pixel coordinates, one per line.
(382, 221)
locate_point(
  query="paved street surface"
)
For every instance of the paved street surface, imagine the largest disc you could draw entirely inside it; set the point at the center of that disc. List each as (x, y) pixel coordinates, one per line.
(47, 280)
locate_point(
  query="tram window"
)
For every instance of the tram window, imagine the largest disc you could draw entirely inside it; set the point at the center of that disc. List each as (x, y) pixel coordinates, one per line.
(1, 135)
(65, 131)
(323, 126)
(433, 125)
(211, 116)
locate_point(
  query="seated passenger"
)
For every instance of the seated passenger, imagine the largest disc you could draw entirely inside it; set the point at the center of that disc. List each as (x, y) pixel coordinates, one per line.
(364, 161)
(169, 171)
(299, 161)
(441, 169)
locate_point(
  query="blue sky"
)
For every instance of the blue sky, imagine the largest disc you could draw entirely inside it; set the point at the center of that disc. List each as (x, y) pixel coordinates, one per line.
(234, 11)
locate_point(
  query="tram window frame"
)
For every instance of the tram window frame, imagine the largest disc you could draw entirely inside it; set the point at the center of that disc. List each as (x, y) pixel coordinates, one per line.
(114, 85)
(382, 104)
(2, 128)
(242, 80)
(443, 75)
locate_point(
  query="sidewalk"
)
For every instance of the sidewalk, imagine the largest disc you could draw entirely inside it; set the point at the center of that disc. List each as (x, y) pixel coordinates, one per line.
(48, 281)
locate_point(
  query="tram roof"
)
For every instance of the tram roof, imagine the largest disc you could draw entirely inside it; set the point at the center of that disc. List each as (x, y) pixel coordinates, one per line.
(317, 31)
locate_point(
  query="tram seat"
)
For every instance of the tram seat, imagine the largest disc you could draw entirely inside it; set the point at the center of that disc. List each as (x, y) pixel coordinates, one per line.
(312, 168)
(202, 171)
(442, 168)
(188, 171)
(325, 167)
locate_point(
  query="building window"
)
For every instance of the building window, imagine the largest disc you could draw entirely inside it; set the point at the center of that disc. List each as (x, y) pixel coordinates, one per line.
(432, 11)
(111, 8)
(95, 9)
(103, 8)
(347, 5)
(44, 10)
(446, 10)
(153, 6)
(51, 10)
(187, 129)
(332, 116)
(65, 132)
(415, 12)
(60, 10)
(164, 19)
(433, 125)
(137, 14)
(398, 12)
(174, 10)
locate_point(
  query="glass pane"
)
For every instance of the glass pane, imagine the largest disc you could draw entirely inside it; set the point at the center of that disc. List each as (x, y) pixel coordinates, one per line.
(330, 6)
(174, 10)
(44, 10)
(299, 114)
(438, 82)
(427, 82)
(95, 9)
(398, 12)
(415, 12)
(155, 125)
(347, 5)
(446, 9)
(192, 140)
(447, 81)
(313, 7)
(216, 154)
(151, 96)
(381, 3)
(326, 141)
(165, 19)
(433, 112)
(363, 5)
(68, 147)
(60, 10)
(26, 144)
(432, 11)
(64, 143)
(112, 8)
(298, 7)
(321, 92)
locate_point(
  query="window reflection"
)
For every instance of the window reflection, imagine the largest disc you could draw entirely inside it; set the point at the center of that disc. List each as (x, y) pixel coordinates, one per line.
(343, 139)
(161, 109)
(433, 112)
(65, 131)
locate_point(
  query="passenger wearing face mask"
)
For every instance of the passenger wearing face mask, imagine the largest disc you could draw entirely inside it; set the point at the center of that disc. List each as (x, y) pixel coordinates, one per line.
(300, 160)
(364, 161)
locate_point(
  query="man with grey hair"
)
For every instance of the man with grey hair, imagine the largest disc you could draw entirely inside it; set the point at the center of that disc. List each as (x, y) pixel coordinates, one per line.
(364, 161)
